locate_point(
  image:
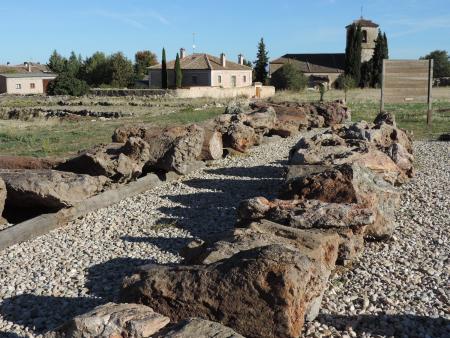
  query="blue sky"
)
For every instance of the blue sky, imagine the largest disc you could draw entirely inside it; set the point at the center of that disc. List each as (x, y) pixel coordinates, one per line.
(31, 29)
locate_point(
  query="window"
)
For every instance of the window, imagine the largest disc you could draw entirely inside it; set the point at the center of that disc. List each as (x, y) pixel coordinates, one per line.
(219, 79)
(245, 78)
(194, 79)
(364, 36)
(32, 86)
(18, 86)
(233, 81)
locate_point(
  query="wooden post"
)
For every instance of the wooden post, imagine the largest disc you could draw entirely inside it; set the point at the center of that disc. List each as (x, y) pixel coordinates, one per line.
(382, 86)
(430, 88)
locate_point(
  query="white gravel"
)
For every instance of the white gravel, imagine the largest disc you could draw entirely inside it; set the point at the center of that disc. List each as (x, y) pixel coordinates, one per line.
(400, 288)
(68, 271)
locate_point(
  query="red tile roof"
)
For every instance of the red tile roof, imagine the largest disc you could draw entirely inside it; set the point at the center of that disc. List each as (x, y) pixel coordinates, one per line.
(202, 61)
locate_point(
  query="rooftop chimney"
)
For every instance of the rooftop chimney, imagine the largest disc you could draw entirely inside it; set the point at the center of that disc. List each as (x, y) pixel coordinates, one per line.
(28, 66)
(223, 60)
(182, 53)
(241, 59)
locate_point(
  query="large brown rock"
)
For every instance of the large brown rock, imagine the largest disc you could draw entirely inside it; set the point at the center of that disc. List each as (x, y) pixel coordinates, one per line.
(49, 189)
(170, 149)
(198, 328)
(386, 137)
(349, 221)
(241, 137)
(328, 149)
(119, 162)
(26, 162)
(113, 321)
(212, 148)
(351, 184)
(261, 292)
(309, 114)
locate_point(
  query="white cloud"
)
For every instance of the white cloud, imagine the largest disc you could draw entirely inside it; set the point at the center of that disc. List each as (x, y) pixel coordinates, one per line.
(133, 19)
(408, 26)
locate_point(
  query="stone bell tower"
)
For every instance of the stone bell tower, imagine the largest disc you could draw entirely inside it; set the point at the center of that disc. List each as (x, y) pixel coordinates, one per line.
(369, 33)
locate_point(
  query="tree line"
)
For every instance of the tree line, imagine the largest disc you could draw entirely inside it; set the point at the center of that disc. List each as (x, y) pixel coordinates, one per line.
(76, 75)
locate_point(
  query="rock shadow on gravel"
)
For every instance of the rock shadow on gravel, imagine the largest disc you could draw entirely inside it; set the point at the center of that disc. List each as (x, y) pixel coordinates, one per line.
(269, 172)
(42, 313)
(104, 280)
(401, 326)
(207, 213)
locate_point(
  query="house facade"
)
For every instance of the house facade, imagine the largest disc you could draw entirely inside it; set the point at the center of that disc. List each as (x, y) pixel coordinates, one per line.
(204, 70)
(25, 83)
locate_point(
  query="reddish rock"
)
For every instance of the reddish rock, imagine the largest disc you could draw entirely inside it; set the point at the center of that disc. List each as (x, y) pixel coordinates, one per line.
(25, 162)
(113, 321)
(261, 292)
(351, 184)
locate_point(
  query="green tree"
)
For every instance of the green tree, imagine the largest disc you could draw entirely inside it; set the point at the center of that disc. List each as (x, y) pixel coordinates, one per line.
(386, 46)
(164, 77)
(261, 63)
(248, 63)
(96, 70)
(441, 65)
(67, 84)
(178, 72)
(56, 63)
(289, 77)
(142, 60)
(353, 52)
(73, 64)
(121, 68)
(345, 82)
(366, 74)
(380, 53)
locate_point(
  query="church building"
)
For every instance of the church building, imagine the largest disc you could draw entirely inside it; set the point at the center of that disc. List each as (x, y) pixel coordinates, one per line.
(326, 67)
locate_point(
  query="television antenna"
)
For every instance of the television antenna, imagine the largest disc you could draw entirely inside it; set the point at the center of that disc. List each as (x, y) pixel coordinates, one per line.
(362, 10)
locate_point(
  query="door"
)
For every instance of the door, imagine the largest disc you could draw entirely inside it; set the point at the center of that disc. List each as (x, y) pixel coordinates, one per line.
(258, 92)
(45, 84)
(233, 81)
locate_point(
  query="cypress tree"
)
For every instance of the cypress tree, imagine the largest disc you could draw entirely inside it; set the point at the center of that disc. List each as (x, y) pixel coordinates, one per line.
(377, 60)
(353, 52)
(163, 70)
(261, 63)
(386, 47)
(178, 73)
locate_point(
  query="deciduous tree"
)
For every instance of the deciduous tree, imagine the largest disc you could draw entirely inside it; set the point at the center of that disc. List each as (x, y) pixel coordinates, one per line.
(441, 66)
(121, 70)
(142, 60)
(289, 77)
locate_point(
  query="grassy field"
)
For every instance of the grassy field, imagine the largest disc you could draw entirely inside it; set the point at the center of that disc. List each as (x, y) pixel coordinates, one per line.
(59, 138)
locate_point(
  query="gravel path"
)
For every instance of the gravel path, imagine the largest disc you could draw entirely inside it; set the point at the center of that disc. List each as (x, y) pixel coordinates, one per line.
(71, 270)
(400, 288)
